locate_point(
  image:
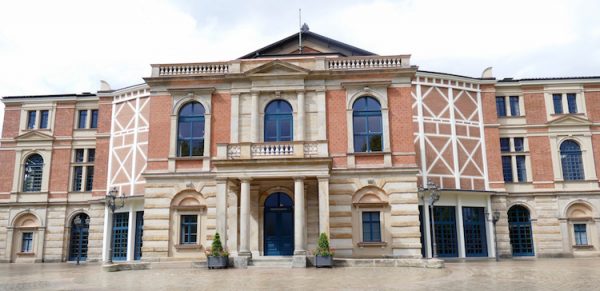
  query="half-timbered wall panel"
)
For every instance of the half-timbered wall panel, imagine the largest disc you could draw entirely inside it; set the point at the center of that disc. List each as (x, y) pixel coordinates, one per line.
(129, 141)
(449, 135)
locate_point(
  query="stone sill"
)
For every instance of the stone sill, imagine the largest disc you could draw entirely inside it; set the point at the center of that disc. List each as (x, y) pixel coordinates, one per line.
(192, 158)
(367, 154)
(583, 247)
(372, 244)
(188, 247)
(28, 254)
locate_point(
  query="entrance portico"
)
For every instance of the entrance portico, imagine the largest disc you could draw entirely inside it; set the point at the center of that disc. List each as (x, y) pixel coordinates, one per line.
(280, 211)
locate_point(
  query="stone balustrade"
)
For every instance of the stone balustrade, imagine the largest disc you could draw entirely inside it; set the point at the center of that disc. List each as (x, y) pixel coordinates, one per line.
(236, 67)
(357, 63)
(193, 69)
(272, 150)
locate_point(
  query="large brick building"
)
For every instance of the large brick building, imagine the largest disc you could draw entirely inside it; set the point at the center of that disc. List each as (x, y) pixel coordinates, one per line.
(292, 140)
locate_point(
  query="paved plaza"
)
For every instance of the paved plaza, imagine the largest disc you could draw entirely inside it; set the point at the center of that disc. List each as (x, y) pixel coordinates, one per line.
(541, 274)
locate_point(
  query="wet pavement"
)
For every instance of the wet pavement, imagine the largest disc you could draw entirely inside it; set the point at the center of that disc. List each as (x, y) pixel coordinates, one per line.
(540, 274)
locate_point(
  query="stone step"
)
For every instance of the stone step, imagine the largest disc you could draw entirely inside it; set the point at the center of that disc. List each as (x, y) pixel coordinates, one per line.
(271, 262)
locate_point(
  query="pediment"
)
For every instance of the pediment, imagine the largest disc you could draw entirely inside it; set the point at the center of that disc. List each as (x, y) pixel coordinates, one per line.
(34, 136)
(570, 120)
(277, 68)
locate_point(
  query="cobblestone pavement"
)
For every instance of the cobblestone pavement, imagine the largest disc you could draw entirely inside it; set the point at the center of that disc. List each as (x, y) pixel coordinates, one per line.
(540, 274)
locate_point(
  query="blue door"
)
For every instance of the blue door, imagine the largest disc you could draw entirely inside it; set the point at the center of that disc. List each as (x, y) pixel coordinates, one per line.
(475, 235)
(79, 237)
(519, 226)
(139, 234)
(445, 231)
(279, 225)
(120, 230)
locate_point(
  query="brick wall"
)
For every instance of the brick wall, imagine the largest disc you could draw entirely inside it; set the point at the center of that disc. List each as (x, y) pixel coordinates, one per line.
(336, 127)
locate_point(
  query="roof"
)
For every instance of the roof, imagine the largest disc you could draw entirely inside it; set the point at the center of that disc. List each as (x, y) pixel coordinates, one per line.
(507, 80)
(342, 48)
(85, 94)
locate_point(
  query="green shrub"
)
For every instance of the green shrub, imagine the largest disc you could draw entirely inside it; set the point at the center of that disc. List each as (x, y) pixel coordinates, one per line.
(216, 249)
(323, 248)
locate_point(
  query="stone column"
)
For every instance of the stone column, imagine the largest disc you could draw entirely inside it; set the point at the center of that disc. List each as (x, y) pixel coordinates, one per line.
(427, 228)
(254, 118)
(245, 218)
(301, 123)
(130, 234)
(299, 217)
(222, 209)
(324, 205)
(461, 228)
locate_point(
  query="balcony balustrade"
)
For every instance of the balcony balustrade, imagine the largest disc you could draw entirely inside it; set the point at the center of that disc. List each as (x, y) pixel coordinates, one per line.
(272, 150)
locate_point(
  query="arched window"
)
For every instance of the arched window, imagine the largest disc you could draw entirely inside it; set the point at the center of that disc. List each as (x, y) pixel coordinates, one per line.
(279, 121)
(366, 122)
(572, 164)
(32, 176)
(190, 130)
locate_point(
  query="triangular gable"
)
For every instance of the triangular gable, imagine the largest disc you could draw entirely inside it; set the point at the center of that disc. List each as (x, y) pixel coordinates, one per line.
(34, 136)
(278, 68)
(569, 120)
(316, 44)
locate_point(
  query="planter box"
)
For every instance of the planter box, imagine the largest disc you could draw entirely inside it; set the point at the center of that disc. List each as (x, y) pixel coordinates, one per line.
(323, 261)
(217, 262)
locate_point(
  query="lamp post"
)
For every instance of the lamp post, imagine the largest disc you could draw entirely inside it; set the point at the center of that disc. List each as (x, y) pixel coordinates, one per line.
(433, 198)
(79, 223)
(495, 218)
(111, 198)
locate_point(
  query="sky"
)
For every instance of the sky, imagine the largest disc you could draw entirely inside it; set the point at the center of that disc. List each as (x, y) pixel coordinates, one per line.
(68, 46)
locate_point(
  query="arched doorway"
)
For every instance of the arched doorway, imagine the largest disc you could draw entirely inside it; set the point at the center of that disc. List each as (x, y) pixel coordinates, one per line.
(78, 247)
(279, 225)
(519, 224)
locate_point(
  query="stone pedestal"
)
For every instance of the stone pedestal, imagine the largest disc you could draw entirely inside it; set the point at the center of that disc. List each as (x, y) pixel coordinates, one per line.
(299, 261)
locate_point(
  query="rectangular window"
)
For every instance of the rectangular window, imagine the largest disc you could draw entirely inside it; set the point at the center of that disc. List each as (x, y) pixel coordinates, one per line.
(82, 119)
(507, 168)
(521, 170)
(514, 106)
(580, 234)
(501, 106)
(91, 155)
(79, 155)
(371, 226)
(189, 229)
(89, 178)
(27, 242)
(572, 103)
(44, 119)
(518, 144)
(94, 121)
(557, 99)
(31, 119)
(83, 169)
(77, 178)
(504, 144)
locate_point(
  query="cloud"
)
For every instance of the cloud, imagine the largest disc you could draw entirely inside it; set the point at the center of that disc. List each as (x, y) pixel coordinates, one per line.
(67, 46)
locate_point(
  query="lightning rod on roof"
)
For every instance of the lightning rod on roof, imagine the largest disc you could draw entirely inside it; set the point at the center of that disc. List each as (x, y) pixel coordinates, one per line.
(300, 33)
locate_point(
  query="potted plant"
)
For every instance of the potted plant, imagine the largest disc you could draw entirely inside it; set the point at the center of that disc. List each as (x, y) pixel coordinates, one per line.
(323, 254)
(217, 257)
